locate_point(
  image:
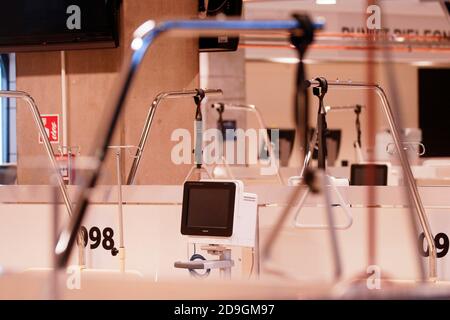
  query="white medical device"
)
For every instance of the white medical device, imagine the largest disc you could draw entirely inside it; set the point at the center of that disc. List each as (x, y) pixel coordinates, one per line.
(219, 212)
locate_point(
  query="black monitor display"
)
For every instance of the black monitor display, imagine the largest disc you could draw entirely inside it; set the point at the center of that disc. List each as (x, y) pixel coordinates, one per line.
(31, 25)
(434, 111)
(359, 175)
(208, 208)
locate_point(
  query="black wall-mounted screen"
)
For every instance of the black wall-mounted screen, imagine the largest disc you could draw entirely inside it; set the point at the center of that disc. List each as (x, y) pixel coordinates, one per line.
(208, 209)
(38, 25)
(230, 8)
(434, 111)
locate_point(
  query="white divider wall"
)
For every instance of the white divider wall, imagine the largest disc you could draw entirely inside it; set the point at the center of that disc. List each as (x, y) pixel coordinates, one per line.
(151, 234)
(153, 241)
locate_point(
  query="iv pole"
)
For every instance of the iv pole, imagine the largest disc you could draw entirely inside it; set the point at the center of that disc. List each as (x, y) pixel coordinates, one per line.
(198, 138)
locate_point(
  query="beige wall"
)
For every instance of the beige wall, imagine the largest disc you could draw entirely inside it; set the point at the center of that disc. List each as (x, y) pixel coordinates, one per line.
(171, 64)
(270, 86)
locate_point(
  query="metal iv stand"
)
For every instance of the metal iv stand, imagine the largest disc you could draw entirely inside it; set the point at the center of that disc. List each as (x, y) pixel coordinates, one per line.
(144, 36)
(411, 185)
(319, 139)
(357, 144)
(198, 139)
(121, 250)
(220, 107)
(149, 121)
(51, 156)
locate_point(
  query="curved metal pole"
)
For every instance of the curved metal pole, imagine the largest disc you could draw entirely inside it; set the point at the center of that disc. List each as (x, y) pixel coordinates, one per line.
(252, 108)
(413, 191)
(149, 120)
(48, 147)
(144, 36)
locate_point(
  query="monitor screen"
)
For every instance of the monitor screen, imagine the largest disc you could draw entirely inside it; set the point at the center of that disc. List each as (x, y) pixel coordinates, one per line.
(229, 8)
(208, 208)
(30, 25)
(434, 111)
(360, 175)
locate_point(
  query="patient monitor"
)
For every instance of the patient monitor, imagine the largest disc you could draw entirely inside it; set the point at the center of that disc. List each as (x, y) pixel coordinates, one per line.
(219, 212)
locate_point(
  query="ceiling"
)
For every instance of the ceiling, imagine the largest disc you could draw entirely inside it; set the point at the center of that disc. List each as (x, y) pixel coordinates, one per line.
(403, 7)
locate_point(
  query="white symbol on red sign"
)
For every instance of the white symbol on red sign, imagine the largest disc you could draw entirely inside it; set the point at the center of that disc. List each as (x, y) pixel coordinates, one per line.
(51, 126)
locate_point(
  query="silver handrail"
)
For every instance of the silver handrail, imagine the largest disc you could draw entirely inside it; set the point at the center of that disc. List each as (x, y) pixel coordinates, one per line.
(149, 120)
(48, 147)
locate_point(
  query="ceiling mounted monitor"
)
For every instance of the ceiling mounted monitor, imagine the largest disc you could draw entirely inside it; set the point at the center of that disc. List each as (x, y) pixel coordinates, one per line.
(213, 8)
(45, 25)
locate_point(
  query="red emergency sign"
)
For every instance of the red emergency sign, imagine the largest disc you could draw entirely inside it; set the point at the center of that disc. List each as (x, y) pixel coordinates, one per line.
(51, 125)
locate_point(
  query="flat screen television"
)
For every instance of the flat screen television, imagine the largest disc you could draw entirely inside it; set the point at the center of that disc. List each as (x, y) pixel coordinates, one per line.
(45, 25)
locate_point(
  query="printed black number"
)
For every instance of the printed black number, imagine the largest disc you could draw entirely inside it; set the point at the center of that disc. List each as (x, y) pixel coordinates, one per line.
(84, 233)
(95, 236)
(108, 242)
(442, 244)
